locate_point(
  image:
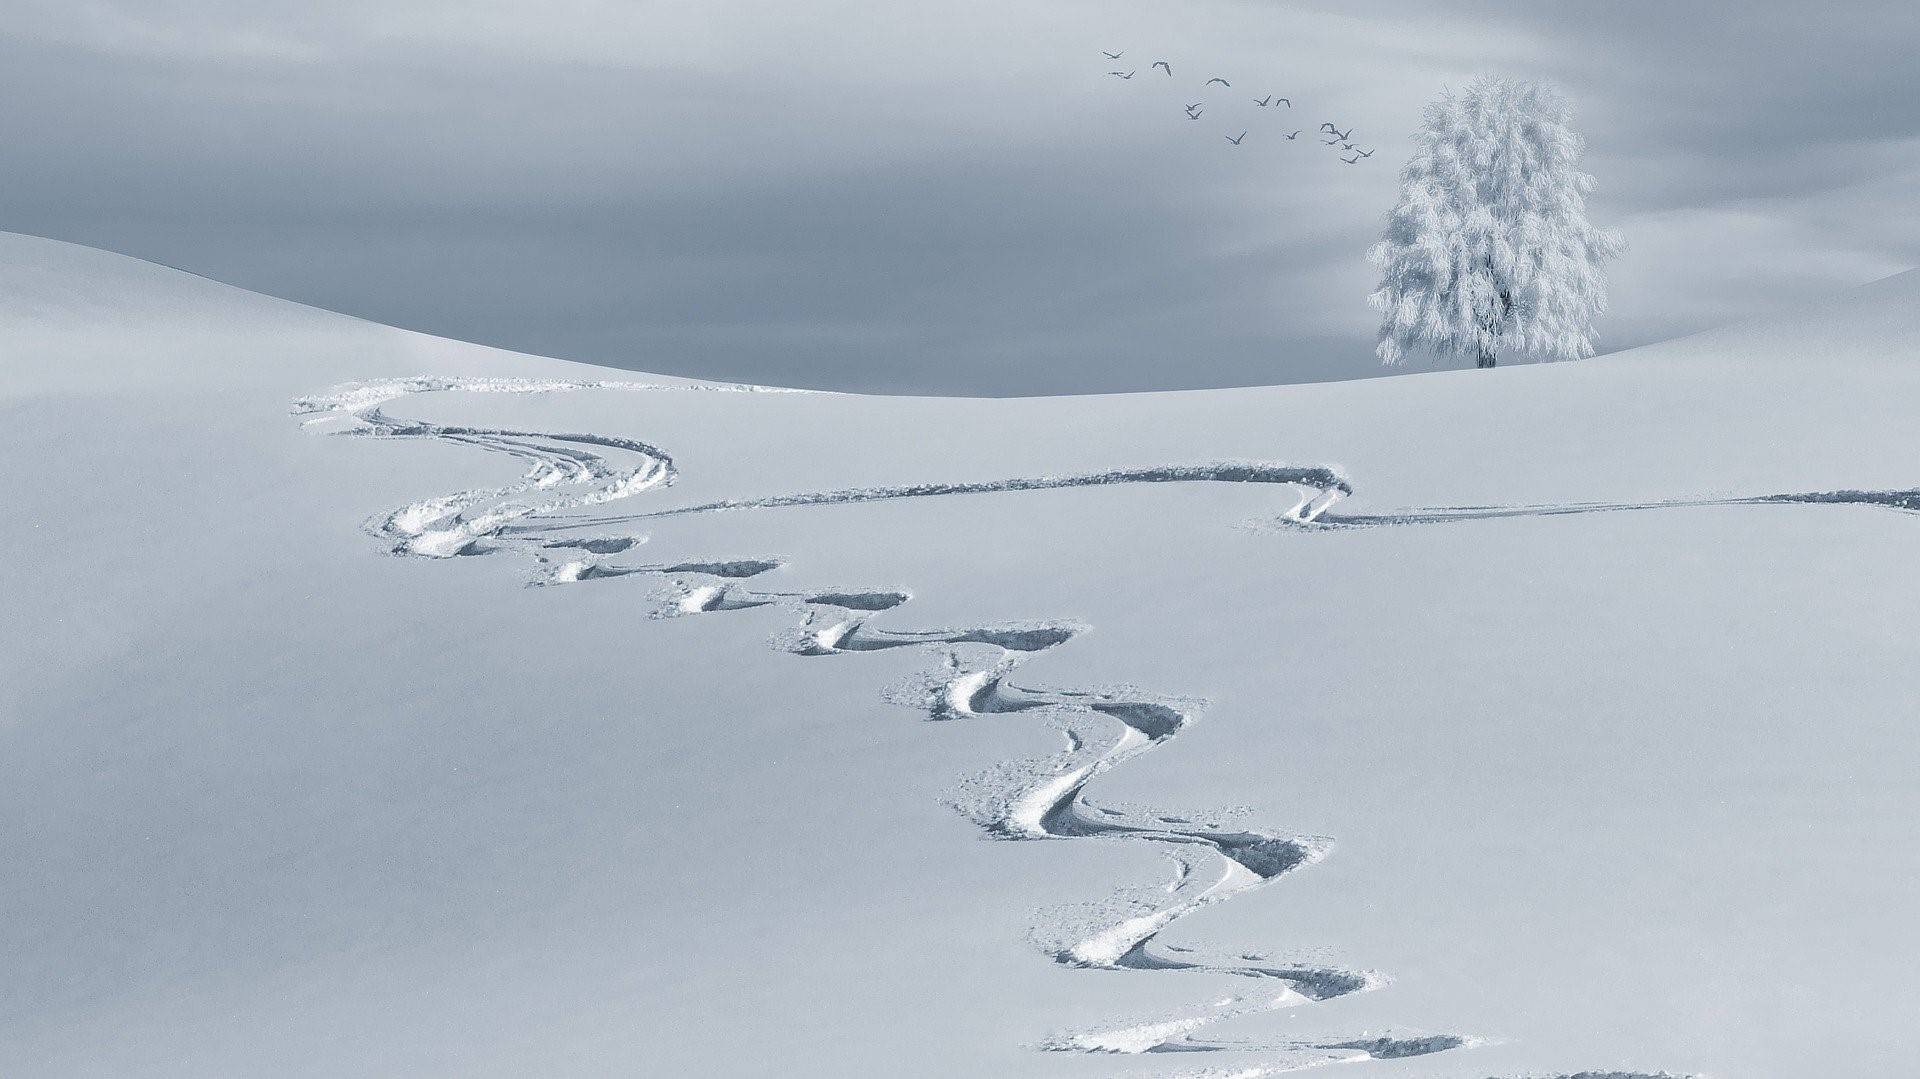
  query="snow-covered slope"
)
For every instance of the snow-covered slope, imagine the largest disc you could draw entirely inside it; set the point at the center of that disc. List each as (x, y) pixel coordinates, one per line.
(1539, 722)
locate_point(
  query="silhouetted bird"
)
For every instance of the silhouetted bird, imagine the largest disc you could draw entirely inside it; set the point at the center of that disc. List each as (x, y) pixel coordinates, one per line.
(1195, 105)
(1163, 64)
(1121, 74)
(1195, 115)
(1265, 101)
(1364, 153)
(1354, 160)
(1235, 141)
(1293, 136)
(1113, 55)
(1285, 101)
(1219, 80)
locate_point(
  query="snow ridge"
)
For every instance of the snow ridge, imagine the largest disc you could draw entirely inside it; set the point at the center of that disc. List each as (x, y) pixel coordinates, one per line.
(540, 517)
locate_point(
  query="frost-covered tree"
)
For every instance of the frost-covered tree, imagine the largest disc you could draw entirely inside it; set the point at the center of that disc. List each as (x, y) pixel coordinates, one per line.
(1490, 250)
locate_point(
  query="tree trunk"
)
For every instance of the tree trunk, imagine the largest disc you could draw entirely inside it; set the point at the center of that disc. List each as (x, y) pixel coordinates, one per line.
(1495, 323)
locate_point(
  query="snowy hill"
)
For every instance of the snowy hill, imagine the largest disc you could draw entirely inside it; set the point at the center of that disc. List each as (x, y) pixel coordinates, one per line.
(376, 704)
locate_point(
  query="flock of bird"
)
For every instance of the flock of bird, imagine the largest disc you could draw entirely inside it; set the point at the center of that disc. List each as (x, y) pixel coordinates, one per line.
(1329, 133)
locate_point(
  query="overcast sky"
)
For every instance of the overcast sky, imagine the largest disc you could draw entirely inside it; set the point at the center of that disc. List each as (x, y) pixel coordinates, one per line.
(914, 197)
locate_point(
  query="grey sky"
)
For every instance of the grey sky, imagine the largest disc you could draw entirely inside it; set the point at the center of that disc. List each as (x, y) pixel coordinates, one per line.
(942, 198)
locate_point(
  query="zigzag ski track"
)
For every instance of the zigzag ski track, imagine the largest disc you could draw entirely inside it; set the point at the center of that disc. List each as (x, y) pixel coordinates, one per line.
(554, 516)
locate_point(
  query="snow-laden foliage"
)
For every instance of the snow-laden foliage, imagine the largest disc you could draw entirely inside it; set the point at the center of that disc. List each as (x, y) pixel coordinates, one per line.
(1489, 249)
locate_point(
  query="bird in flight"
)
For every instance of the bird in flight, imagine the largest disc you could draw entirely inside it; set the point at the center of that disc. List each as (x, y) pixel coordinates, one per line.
(1293, 136)
(1363, 153)
(1264, 101)
(1325, 126)
(1195, 115)
(1285, 101)
(1164, 64)
(1354, 160)
(1343, 135)
(1195, 105)
(1113, 55)
(1235, 141)
(1346, 146)
(1121, 74)
(1219, 80)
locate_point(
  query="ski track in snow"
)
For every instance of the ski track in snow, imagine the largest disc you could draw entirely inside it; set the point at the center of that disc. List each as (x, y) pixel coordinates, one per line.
(550, 516)
(1901, 501)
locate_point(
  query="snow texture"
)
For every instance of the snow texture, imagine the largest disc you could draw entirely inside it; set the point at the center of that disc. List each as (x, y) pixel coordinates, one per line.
(308, 782)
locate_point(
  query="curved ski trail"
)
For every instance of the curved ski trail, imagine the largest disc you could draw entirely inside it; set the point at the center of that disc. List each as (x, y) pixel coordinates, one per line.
(550, 516)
